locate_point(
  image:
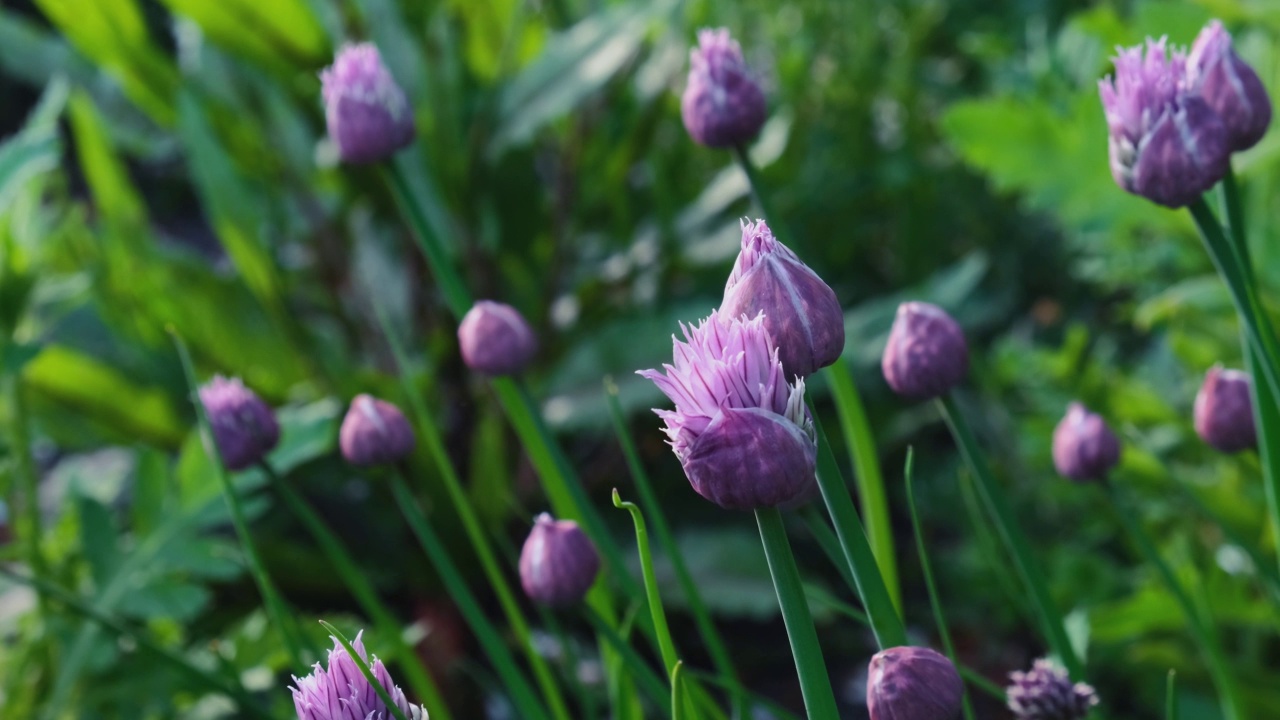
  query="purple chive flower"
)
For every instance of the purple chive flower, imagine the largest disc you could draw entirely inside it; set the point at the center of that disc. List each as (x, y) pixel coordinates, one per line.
(1084, 448)
(374, 432)
(495, 339)
(723, 105)
(1045, 692)
(244, 427)
(913, 683)
(558, 563)
(1224, 411)
(1166, 143)
(740, 431)
(368, 114)
(926, 354)
(343, 693)
(1216, 73)
(801, 312)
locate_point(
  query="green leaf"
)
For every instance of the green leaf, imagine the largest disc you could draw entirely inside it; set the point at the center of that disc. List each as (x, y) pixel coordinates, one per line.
(104, 170)
(97, 539)
(281, 34)
(27, 155)
(205, 558)
(171, 599)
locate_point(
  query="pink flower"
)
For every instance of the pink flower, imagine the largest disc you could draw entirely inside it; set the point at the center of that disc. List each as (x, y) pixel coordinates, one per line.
(343, 693)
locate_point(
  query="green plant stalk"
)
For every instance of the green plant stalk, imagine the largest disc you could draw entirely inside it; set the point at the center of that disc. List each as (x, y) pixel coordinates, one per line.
(815, 684)
(1011, 534)
(745, 695)
(645, 677)
(866, 472)
(28, 484)
(1171, 696)
(753, 181)
(665, 644)
(178, 662)
(280, 616)
(382, 693)
(341, 561)
(990, 548)
(827, 541)
(677, 693)
(1267, 574)
(1205, 636)
(488, 636)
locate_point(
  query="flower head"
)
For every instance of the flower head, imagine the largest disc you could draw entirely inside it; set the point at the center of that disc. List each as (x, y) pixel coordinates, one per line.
(1045, 692)
(723, 105)
(1224, 411)
(913, 683)
(1084, 448)
(740, 431)
(1166, 143)
(495, 339)
(1216, 73)
(801, 312)
(368, 114)
(374, 432)
(926, 354)
(343, 693)
(244, 427)
(558, 563)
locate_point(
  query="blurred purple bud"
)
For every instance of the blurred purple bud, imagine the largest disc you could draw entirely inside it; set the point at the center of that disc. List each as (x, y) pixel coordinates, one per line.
(343, 693)
(1046, 693)
(1224, 411)
(495, 339)
(723, 105)
(374, 432)
(913, 683)
(1166, 144)
(558, 563)
(368, 114)
(244, 427)
(741, 432)
(801, 312)
(1084, 448)
(1216, 73)
(926, 354)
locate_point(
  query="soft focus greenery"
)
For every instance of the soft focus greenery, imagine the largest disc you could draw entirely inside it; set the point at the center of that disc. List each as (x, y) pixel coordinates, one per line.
(164, 166)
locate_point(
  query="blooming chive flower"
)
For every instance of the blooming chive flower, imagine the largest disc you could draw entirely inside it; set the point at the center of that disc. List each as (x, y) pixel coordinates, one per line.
(1166, 143)
(1224, 411)
(1046, 693)
(368, 114)
(926, 354)
(913, 683)
(723, 105)
(1216, 73)
(558, 563)
(740, 431)
(495, 339)
(801, 312)
(1084, 448)
(343, 693)
(244, 427)
(374, 432)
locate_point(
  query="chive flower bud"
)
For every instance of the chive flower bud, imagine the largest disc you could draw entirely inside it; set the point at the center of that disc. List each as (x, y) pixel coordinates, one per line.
(913, 683)
(244, 427)
(342, 692)
(926, 354)
(495, 339)
(1084, 448)
(1045, 692)
(368, 114)
(1216, 73)
(374, 432)
(801, 312)
(1224, 411)
(558, 563)
(741, 432)
(723, 105)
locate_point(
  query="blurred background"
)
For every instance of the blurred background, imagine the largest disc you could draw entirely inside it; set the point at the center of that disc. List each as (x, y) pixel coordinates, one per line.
(164, 163)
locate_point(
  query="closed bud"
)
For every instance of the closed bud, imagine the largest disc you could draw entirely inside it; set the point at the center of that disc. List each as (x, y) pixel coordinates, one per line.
(374, 432)
(723, 105)
(368, 114)
(913, 683)
(1216, 73)
(1084, 448)
(558, 563)
(495, 339)
(244, 427)
(801, 312)
(1224, 411)
(926, 354)
(1046, 693)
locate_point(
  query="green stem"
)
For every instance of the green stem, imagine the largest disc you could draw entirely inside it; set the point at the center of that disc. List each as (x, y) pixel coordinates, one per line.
(665, 645)
(31, 528)
(455, 292)
(753, 181)
(677, 693)
(827, 541)
(1011, 534)
(366, 671)
(644, 675)
(1171, 697)
(815, 684)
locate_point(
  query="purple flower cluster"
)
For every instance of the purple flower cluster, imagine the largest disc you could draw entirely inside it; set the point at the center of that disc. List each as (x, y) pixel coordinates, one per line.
(368, 114)
(1045, 692)
(342, 692)
(723, 105)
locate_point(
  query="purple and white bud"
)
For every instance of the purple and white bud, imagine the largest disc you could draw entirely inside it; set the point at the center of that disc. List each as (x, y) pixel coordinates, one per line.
(374, 432)
(913, 683)
(1166, 143)
(1216, 73)
(495, 339)
(368, 114)
(741, 432)
(1224, 411)
(244, 427)
(343, 693)
(801, 312)
(723, 105)
(926, 354)
(1045, 692)
(1084, 448)
(559, 563)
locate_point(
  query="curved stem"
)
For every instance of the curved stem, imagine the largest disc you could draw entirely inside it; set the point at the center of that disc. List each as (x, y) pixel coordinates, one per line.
(665, 644)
